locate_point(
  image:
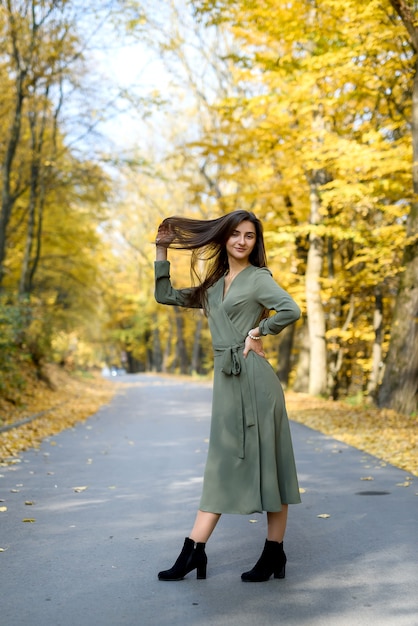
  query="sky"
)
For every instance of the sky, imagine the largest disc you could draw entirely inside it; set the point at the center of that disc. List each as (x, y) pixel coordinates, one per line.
(138, 67)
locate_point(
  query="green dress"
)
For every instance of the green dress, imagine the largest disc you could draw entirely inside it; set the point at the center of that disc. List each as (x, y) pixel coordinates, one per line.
(250, 465)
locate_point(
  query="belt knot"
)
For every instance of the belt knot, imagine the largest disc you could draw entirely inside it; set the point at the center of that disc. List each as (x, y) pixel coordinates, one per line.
(231, 362)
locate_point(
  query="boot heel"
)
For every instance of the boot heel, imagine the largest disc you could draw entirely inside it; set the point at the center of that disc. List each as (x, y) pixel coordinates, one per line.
(201, 572)
(281, 573)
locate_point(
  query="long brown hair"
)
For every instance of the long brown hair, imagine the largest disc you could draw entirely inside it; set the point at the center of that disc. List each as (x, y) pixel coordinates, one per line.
(207, 240)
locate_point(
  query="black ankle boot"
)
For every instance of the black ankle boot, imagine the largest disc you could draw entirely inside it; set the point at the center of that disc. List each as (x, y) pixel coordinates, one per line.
(272, 561)
(192, 556)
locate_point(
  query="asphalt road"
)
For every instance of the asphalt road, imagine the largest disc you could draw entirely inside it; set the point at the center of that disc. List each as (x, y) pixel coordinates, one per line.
(113, 499)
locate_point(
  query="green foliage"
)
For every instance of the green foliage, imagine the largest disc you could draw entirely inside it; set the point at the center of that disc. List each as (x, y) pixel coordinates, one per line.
(12, 353)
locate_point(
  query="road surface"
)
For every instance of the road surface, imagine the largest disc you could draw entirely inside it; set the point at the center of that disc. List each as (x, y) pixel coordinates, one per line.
(113, 498)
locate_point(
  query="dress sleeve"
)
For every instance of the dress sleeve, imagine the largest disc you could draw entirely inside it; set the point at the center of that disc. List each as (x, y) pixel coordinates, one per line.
(274, 298)
(164, 291)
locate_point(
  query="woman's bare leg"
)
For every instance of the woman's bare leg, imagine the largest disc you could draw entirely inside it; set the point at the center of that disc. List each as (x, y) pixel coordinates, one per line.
(204, 526)
(276, 524)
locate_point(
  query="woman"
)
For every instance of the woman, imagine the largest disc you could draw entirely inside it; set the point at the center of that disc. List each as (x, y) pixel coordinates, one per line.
(250, 465)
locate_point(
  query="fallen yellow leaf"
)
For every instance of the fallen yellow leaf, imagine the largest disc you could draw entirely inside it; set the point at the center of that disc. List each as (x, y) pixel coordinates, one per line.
(3, 509)
(29, 520)
(367, 478)
(79, 489)
(323, 515)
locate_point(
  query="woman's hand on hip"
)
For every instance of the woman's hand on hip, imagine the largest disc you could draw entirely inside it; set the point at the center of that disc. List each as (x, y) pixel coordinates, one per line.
(255, 345)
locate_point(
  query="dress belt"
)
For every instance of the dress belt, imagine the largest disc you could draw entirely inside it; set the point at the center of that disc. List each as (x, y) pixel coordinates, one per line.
(233, 363)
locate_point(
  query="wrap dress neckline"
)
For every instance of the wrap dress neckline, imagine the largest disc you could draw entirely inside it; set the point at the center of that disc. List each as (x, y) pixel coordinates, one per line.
(225, 290)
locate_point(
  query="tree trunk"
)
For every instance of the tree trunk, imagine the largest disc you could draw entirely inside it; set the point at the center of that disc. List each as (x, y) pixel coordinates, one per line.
(338, 356)
(30, 232)
(315, 311)
(37, 125)
(373, 383)
(8, 198)
(181, 352)
(399, 389)
(157, 355)
(197, 347)
(167, 348)
(302, 372)
(285, 354)
(334, 314)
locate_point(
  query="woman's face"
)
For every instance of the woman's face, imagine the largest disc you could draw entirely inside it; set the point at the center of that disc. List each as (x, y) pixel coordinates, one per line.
(241, 241)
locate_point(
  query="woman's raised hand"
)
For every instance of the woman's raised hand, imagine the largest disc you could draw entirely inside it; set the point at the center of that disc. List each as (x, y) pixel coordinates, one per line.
(165, 235)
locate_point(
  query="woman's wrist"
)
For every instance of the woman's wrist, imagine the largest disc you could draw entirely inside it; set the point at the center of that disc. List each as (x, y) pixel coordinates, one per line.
(160, 253)
(252, 335)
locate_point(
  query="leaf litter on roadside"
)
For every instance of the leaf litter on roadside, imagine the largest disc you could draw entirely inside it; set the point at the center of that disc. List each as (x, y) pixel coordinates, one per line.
(383, 433)
(72, 399)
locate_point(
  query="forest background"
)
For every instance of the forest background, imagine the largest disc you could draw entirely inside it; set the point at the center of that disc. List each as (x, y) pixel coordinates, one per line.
(117, 114)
